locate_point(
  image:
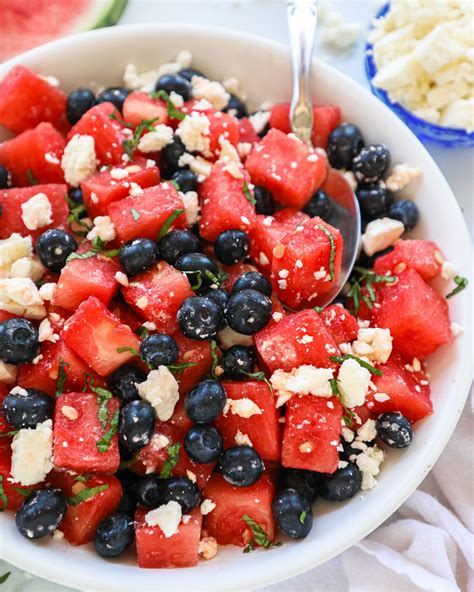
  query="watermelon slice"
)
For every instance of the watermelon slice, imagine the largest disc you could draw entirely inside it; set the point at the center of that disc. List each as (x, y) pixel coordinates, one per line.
(28, 23)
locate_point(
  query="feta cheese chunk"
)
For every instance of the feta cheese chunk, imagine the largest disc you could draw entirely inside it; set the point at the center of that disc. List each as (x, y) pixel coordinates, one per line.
(13, 248)
(37, 212)
(353, 382)
(191, 206)
(212, 91)
(207, 506)
(103, 228)
(167, 517)
(207, 548)
(194, 132)
(305, 380)
(161, 390)
(243, 407)
(20, 296)
(32, 451)
(27, 267)
(377, 344)
(79, 159)
(156, 140)
(368, 462)
(380, 234)
(401, 175)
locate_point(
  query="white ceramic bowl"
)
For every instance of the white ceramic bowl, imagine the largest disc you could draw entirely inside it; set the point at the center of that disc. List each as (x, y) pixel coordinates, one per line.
(263, 67)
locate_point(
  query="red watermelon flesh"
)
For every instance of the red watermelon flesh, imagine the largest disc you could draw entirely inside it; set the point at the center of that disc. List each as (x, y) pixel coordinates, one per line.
(340, 323)
(423, 256)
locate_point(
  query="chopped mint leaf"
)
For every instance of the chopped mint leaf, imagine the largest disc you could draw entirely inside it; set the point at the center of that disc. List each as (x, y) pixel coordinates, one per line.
(365, 278)
(332, 252)
(97, 246)
(24, 491)
(179, 368)
(5, 577)
(3, 496)
(198, 275)
(132, 350)
(172, 460)
(175, 184)
(103, 397)
(319, 309)
(366, 365)
(31, 178)
(215, 358)
(126, 464)
(104, 443)
(260, 537)
(142, 332)
(131, 144)
(9, 434)
(248, 194)
(173, 112)
(302, 517)
(348, 414)
(169, 221)
(62, 377)
(82, 478)
(135, 214)
(121, 121)
(86, 494)
(461, 284)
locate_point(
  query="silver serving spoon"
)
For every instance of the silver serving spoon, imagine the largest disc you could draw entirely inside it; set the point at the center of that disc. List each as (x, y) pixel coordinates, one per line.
(302, 22)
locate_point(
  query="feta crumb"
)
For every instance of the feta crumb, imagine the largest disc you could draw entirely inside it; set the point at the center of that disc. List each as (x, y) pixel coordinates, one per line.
(305, 380)
(191, 206)
(58, 535)
(122, 278)
(259, 120)
(69, 412)
(161, 390)
(191, 476)
(369, 462)
(373, 343)
(381, 397)
(27, 267)
(244, 407)
(12, 249)
(401, 175)
(207, 548)
(21, 297)
(156, 140)
(212, 91)
(103, 228)
(32, 451)
(277, 316)
(447, 270)
(242, 439)
(119, 174)
(207, 506)
(380, 234)
(456, 329)
(367, 432)
(347, 434)
(142, 302)
(194, 132)
(167, 517)
(37, 212)
(46, 332)
(149, 326)
(79, 159)
(159, 441)
(353, 383)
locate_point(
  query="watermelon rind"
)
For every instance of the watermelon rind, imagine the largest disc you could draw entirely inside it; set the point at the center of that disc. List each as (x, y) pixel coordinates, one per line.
(102, 13)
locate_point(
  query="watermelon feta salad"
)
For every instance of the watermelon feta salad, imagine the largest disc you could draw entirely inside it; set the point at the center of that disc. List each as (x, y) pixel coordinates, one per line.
(167, 380)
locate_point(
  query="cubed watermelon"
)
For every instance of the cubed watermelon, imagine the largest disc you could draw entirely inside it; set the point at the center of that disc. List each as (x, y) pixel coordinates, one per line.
(247, 133)
(298, 339)
(306, 262)
(312, 434)
(286, 167)
(197, 352)
(423, 256)
(34, 156)
(27, 99)
(157, 294)
(142, 216)
(78, 431)
(223, 203)
(95, 334)
(417, 316)
(139, 106)
(340, 323)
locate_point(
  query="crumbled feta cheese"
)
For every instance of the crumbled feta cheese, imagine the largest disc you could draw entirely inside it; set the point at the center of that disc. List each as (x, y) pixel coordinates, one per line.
(367, 432)
(119, 174)
(337, 33)
(142, 302)
(401, 175)
(244, 407)
(242, 439)
(149, 326)
(194, 132)
(232, 86)
(191, 206)
(32, 451)
(20, 296)
(353, 382)
(305, 380)
(70, 412)
(228, 152)
(207, 506)
(46, 332)
(159, 441)
(212, 91)
(58, 535)
(13, 248)
(79, 159)
(373, 343)
(456, 329)
(166, 516)
(207, 547)
(103, 228)
(380, 234)
(8, 373)
(37, 212)
(177, 100)
(122, 278)
(46, 291)
(347, 434)
(259, 120)
(161, 390)
(369, 462)
(228, 337)
(156, 140)
(27, 267)
(447, 270)
(381, 397)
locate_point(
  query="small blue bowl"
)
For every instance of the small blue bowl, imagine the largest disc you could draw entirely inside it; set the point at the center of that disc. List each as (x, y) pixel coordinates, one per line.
(446, 136)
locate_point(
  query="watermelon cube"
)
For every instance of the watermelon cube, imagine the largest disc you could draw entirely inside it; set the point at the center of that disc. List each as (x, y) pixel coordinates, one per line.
(263, 430)
(107, 132)
(417, 316)
(27, 99)
(286, 167)
(34, 156)
(142, 216)
(83, 518)
(298, 339)
(423, 256)
(340, 323)
(81, 278)
(268, 231)
(225, 522)
(312, 434)
(197, 352)
(103, 188)
(247, 133)
(222, 125)
(12, 490)
(11, 218)
(157, 294)
(77, 432)
(95, 334)
(325, 119)
(306, 262)
(139, 106)
(157, 551)
(223, 203)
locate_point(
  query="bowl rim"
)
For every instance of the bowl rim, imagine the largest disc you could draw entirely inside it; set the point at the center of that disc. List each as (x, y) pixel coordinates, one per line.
(275, 568)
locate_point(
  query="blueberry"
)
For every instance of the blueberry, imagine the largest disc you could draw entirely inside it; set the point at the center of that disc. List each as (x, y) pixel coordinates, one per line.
(292, 513)
(199, 318)
(183, 491)
(374, 201)
(220, 297)
(203, 443)
(319, 205)
(368, 262)
(265, 203)
(200, 269)
(79, 101)
(138, 255)
(306, 482)
(188, 73)
(248, 311)
(231, 246)
(19, 342)
(137, 422)
(205, 402)
(348, 453)
(241, 466)
(186, 180)
(115, 95)
(150, 490)
(394, 429)
(75, 195)
(237, 362)
(345, 142)
(372, 163)
(170, 156)
(253, 280)
(236, 107)
(41, 513)
(174, 83)
(122, 382)
(27, 411)
(406, 211)
(128, 502)
(341, 485)
(177, 243)
(114, 535)
(53, 247)
(4, 178)
(159, 349)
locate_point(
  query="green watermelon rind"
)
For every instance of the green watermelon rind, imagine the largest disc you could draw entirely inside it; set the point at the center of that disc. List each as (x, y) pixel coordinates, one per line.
(99, 16)
(111, 16)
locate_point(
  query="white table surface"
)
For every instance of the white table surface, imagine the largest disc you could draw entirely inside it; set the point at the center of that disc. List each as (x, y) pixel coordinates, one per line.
(267, 18)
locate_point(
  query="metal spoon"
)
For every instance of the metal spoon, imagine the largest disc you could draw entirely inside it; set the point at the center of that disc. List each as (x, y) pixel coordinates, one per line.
(302, 21)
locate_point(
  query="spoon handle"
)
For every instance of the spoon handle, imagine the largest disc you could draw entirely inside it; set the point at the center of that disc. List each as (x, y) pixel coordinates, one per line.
(302, 21)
